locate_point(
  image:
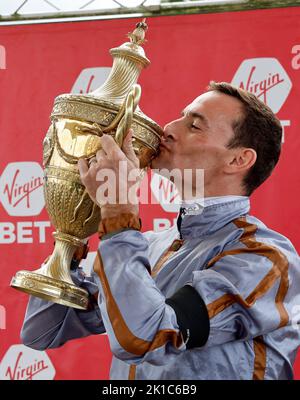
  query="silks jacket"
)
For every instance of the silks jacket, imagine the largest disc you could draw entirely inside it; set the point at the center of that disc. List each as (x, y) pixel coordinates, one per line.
(217, 300)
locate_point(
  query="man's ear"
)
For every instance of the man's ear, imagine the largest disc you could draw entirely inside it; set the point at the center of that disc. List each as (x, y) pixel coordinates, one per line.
(241, 160)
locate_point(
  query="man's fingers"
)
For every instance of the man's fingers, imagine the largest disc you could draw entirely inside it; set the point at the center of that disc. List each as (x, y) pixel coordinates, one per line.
(128, 147)
(110, 147)
(100, 154)
(83, 167)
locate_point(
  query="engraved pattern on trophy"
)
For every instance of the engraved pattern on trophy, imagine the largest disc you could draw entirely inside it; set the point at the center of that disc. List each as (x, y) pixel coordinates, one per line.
(48, 146)
(77, 123)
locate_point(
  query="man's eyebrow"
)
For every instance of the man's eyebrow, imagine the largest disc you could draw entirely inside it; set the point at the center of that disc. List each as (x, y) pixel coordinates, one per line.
(195, 115)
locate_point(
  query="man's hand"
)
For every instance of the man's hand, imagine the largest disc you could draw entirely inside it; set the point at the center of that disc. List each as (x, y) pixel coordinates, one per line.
(112, 179)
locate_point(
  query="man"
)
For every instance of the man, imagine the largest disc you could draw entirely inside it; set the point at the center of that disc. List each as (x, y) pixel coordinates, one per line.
(210, 298)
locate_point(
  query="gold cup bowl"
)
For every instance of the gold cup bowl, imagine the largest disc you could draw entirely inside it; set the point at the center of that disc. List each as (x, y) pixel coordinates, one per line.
(77, 123)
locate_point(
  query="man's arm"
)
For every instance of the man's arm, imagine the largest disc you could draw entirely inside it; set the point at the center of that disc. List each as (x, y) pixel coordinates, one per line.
(141, 325)
(50, 325)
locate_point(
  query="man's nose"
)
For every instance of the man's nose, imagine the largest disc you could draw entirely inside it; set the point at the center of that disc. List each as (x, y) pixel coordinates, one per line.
(169, 131)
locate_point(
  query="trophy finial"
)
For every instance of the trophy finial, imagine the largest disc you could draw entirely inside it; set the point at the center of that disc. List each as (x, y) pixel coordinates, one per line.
(138, 35)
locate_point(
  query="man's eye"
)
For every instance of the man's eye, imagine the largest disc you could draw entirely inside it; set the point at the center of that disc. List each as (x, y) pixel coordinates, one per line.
(195, 127)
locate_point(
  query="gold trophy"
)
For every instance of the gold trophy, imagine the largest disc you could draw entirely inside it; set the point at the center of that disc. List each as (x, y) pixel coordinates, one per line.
(77, 122)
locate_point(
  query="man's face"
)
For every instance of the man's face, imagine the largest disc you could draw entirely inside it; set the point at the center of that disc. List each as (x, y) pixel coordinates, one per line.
(199, 138)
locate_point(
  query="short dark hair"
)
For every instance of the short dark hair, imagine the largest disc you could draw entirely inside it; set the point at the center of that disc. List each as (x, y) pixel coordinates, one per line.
(258, 129)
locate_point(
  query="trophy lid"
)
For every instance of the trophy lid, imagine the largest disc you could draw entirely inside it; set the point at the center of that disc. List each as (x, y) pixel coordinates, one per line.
(133, 48)
(129, 60)
(106, 103)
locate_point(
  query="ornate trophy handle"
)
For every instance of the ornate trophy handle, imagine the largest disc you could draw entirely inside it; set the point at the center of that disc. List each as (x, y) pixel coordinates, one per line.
(124, 117)
(130, 103)
(122, 122)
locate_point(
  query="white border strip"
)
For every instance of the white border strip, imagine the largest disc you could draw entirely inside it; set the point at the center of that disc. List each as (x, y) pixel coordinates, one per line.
(69, 19)
(116, 13)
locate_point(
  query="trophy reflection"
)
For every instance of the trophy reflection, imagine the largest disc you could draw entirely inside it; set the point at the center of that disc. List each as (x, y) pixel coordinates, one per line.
(77, 123)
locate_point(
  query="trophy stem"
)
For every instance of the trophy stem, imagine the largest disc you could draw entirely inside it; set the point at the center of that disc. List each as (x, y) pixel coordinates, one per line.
(53, 280)
(58, 265)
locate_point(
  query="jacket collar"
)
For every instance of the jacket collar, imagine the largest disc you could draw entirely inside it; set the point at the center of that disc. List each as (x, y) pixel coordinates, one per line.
(201, 221)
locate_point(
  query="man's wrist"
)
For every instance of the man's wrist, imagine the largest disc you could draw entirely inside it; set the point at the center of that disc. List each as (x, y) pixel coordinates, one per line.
(121, 222)
(113, 211)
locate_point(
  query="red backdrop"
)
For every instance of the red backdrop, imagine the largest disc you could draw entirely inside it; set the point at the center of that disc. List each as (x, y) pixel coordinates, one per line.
(258, 50)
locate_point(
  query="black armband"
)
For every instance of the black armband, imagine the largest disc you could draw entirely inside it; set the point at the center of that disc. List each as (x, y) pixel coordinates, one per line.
(192, 316)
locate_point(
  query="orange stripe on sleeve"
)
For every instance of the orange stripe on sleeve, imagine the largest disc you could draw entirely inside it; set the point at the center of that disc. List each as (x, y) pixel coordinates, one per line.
(132, 372)
(128, 341)
(177, 243)
(260, 359)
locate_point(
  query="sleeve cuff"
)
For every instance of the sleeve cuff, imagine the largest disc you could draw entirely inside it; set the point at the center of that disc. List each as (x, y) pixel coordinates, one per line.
(111, 226)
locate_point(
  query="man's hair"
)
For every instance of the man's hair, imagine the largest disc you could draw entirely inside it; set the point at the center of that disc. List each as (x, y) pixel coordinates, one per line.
(258, 129)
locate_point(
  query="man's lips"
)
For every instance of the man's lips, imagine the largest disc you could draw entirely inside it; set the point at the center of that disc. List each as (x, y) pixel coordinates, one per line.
(163, 146)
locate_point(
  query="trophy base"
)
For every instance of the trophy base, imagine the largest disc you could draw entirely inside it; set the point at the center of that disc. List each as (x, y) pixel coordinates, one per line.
(51, 289)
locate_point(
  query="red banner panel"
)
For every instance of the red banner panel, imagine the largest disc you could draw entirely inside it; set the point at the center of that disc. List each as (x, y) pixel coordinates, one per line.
(257, 50)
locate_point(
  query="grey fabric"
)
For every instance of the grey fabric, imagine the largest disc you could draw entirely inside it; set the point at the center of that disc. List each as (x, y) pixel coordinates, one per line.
(50, 325)
(139, 300)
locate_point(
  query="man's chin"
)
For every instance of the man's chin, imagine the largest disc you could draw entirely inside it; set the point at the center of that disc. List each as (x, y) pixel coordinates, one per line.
(161, 161)
(156, 163)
